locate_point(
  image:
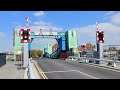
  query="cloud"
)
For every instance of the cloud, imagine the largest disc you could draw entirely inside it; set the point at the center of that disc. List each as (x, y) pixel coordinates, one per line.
(2, 34)
(111, 29)
(42, 23)
(88, 33)
(115, 18)
(45, 28)
(39, 13)
(110, 13)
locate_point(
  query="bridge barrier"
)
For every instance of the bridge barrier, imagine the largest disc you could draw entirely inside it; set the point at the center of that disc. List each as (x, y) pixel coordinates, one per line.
(113, 63)
(30, 70)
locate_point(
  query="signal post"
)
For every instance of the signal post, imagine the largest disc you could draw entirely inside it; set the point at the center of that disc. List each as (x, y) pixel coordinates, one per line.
(25, 38)
(100, 41)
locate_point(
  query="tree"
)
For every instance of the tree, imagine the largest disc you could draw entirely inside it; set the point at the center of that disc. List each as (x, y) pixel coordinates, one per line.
(36, 53)
(39, 53)
(33, 53)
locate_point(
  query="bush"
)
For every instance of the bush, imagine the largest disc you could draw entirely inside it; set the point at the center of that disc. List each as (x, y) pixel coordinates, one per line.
(36, 53)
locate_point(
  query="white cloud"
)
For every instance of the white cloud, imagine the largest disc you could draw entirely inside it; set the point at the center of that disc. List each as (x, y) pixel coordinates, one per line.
(112, 30)
(115, 18)
(42, 23)
(2, 34)
(45, 28)
(88, 33)
(39, 13)
(110, 13)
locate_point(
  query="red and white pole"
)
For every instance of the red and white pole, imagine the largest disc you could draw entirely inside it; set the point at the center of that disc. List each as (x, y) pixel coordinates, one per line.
(97, 24)
(27, 22)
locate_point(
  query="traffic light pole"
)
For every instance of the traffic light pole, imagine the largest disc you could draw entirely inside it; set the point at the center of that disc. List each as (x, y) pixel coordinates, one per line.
(100, 50)
(25, 55)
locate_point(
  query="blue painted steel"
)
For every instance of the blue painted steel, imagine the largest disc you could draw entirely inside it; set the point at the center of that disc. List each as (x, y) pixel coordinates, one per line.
(29, 46)
(62, 43)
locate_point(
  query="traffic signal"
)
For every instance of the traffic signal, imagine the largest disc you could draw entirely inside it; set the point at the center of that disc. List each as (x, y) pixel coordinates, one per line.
(100, 36)
(25, 36)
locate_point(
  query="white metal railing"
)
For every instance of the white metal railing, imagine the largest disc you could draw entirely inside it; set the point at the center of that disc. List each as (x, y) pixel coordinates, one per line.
(30, 70)
(94, 60)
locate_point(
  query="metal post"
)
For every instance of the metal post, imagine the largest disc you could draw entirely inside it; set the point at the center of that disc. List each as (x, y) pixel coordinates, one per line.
(100, 50)
(25, 56)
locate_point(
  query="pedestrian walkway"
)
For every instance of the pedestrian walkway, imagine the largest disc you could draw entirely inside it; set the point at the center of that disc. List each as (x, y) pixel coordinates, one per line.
(11, 70)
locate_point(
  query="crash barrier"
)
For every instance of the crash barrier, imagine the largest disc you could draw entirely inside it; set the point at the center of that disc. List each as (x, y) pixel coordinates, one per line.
(113, 63)
(30, 70)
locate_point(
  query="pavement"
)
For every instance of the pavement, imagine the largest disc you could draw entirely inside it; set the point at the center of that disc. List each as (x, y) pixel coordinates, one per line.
(11, 70)
(63, 69)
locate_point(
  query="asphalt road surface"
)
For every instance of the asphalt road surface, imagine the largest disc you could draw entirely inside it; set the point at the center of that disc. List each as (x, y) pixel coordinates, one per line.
(62, 69)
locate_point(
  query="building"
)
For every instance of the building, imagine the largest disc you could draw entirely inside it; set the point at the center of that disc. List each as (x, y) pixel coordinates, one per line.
(89, 54)
(88, 46)
(54, 47)
(87, 50)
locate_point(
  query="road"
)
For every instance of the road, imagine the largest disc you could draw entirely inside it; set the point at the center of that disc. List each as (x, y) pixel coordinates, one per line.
(62, 69)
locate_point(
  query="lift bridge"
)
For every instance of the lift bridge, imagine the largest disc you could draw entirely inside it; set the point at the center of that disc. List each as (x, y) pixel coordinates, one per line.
(66, 41)
(47, 47)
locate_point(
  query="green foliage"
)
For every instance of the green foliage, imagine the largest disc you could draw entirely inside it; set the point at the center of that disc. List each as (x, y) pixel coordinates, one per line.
(36, 53)
(39, 53)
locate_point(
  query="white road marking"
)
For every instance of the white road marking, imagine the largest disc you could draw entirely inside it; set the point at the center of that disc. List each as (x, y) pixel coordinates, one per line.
(104, 68)
(87, 74)
(71, 71)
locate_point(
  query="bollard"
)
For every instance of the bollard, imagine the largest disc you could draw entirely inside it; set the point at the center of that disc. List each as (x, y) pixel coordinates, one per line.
(86, 60)
(72, 59)
(114, 65)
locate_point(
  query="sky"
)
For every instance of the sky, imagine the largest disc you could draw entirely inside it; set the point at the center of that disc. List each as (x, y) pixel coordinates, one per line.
(60, 21)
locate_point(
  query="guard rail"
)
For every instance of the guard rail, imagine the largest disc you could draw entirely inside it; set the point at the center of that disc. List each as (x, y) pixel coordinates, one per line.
(95, 60)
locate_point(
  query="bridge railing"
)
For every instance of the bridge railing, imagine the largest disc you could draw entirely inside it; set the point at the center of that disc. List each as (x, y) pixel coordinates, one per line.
(30, 70)
(114, 63)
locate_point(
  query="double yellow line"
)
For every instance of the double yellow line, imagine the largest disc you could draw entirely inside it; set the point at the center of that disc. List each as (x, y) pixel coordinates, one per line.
(40, 71)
